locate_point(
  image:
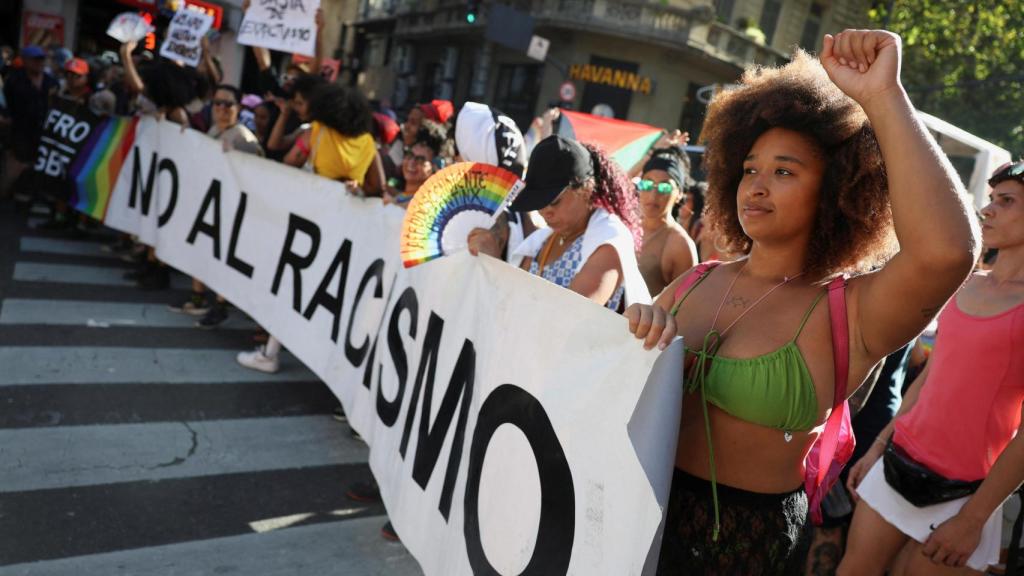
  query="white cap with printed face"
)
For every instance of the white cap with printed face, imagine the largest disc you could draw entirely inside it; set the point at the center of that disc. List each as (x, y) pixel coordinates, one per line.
(485, 135)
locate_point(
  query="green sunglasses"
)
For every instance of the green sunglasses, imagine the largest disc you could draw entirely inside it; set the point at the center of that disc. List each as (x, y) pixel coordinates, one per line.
(1008, 171)
(660, 187)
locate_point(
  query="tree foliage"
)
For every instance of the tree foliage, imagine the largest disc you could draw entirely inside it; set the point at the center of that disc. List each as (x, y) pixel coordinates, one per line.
(964, 62)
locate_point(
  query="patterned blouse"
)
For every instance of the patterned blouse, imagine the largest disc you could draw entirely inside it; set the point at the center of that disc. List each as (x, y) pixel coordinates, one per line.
(563, 270)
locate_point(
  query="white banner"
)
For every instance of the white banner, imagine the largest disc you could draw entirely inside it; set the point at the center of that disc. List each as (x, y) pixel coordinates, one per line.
(512, 424)
(185, 35)
(285, 25)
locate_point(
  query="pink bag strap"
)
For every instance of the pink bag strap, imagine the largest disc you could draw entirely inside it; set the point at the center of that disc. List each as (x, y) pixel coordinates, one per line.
(696, 275)
(841, 362)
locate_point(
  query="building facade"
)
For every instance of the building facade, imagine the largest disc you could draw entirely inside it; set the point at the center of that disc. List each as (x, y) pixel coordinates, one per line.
(80, 26)
(647, 61)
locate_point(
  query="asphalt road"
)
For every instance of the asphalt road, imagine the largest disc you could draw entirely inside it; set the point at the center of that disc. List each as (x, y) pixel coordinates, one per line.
(132, 443)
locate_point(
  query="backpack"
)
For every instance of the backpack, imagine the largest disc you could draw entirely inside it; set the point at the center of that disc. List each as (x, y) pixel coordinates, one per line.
(834, 447)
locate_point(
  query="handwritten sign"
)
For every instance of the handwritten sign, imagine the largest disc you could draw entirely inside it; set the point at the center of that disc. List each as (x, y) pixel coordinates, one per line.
(185, 35)
(285, 25)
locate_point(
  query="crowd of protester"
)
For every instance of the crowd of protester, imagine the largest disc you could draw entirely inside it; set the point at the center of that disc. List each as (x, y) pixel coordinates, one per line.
(816, 172)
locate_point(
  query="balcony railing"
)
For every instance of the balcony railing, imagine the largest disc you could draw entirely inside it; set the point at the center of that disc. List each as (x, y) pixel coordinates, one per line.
(673, 27)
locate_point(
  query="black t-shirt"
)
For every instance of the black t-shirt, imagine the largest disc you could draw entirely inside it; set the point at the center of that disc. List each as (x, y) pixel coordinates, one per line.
(27, 105)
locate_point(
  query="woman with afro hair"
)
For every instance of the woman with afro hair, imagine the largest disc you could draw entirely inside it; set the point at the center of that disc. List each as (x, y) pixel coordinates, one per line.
(814, 168)
(338, 143)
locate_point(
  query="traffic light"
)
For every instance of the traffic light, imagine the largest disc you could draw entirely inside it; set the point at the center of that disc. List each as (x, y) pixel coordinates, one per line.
(472, 10)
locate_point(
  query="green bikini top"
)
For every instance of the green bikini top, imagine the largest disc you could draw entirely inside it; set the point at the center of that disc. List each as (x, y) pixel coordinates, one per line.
(774, 390)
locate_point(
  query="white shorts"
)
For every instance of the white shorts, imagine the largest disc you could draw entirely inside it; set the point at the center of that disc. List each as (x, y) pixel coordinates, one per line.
(916, 522)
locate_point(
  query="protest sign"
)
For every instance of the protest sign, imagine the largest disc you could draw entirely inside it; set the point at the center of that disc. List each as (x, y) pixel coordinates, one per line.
(67, 127)
(512, 424)
(185, 35)
(285, 25)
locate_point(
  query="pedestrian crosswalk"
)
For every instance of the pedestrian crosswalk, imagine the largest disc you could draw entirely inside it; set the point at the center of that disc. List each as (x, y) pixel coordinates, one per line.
(133, 443)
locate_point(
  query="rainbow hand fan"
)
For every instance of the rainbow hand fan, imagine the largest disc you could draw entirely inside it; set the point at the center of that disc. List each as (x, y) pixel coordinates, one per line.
(450, 204)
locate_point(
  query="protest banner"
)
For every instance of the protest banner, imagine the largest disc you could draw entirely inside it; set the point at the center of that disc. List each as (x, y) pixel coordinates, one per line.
(512, 424)
(285, 25)
(185, 35)
(66, 129)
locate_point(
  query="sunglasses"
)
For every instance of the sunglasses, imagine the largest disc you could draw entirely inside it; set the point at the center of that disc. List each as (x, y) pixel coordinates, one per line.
(649, 185)
(1009, 170)
(224, 103)
(416, 157)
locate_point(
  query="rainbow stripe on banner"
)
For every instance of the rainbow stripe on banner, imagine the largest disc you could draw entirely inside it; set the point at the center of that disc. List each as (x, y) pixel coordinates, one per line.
(97, 166)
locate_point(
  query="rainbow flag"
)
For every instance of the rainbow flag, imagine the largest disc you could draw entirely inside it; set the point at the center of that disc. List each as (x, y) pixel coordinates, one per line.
(98, 164)
(626, 142)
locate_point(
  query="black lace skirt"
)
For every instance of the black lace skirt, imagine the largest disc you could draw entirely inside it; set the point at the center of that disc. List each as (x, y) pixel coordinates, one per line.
(760, 533)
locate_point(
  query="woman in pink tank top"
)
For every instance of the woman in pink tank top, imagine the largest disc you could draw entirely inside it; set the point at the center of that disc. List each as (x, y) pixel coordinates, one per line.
(958, 425)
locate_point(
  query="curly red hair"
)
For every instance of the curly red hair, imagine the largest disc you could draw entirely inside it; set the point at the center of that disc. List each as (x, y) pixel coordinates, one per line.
(853, 228)
(614, 192)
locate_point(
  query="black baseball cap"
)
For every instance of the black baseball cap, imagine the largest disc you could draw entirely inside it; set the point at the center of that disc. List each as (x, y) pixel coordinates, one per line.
(555, 163)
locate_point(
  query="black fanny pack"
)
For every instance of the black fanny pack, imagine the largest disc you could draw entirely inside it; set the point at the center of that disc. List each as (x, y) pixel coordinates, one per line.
(917, 483)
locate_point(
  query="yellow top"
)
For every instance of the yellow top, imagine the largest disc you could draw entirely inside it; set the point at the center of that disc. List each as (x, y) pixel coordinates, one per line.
(339, 157)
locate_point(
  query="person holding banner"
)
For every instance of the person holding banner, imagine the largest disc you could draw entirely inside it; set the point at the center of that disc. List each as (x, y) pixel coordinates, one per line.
(593, 235)
(668, 250)
(484, 134)
(295, 108)
(234, 136)
(429, 153)
(337, 145)
(811, 168)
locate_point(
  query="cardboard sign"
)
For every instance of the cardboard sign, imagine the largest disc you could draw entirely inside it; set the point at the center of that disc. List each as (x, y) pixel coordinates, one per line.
(185, 35)
(285, 25)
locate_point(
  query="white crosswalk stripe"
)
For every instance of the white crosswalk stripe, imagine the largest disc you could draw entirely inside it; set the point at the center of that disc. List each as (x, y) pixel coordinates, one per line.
(282, 464)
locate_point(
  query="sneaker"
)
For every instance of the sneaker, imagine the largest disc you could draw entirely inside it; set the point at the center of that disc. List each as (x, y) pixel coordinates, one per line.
(216, 316)
(339, 414)
(258, 360)
(159, 278)
(195, 305)
(364, 492)
(388, 532)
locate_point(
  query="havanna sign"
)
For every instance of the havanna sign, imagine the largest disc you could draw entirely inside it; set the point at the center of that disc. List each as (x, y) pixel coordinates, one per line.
(613, 77)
